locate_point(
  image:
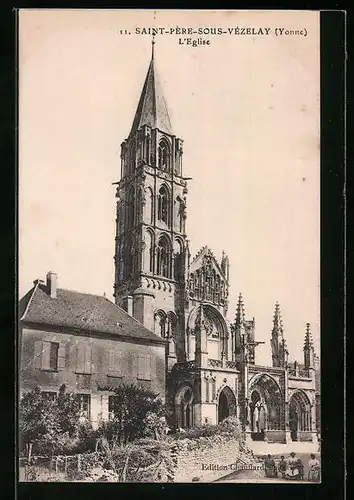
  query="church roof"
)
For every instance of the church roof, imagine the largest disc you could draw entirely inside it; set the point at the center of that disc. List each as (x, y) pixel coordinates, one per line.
(152, 108)
(81, 311)
(206, 252)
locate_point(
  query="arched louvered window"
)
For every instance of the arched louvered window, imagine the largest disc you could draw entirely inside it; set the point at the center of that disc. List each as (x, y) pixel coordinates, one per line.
(147, 149)
(132, 158)
(164, 155)
(130, 208)
(149, 251)
(164, 257)
(163, 205)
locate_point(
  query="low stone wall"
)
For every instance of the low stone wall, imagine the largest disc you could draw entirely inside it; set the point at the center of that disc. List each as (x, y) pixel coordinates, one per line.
(206, 459)
(275, 436)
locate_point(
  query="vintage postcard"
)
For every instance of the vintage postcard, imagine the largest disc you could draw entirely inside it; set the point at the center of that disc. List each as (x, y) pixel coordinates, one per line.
(169, 246)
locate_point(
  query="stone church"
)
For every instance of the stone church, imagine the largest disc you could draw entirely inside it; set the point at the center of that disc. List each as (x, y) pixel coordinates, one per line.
(211, 368)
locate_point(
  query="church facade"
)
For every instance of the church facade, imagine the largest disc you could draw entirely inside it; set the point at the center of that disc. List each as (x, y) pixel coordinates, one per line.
(211, 369)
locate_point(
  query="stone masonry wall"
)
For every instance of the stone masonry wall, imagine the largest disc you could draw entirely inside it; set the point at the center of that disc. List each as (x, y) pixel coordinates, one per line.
(208, 458)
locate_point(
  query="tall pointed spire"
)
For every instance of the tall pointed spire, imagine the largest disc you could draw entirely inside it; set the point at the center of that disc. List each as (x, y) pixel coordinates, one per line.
(278, 343)
(240, 312)
(308, 344)
(152, 108)
(225, 265)
(309, 350)
(277, 321)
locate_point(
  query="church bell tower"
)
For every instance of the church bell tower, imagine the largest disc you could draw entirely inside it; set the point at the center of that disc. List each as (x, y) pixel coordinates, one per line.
(151, 253)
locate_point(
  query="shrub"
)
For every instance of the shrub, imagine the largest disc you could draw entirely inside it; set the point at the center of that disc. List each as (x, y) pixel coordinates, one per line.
(145, 460)
(53, 427)
(228, 427)
(136, 412)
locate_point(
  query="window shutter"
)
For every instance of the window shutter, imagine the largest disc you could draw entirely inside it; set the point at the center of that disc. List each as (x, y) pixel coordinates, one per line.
(111, 361)
(80, 362)
(87, 359)
(148, 367)
(61, 357)
(134, 366)
(118, 363)
(152, 367)
(37, 358)
(141, 367)
(45, 356)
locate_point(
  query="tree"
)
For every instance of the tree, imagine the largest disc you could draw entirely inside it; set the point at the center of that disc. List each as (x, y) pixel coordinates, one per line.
(68, 410)
(37, 417)
(136, 412)
(49, 426)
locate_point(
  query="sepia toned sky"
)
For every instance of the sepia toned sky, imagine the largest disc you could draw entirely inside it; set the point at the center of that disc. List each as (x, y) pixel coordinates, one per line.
(248, 110)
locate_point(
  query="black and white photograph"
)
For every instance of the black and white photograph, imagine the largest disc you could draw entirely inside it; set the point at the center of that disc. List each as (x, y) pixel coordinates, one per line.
(169, 246)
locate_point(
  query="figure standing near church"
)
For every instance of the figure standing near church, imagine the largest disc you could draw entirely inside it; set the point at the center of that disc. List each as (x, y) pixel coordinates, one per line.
(314, 469)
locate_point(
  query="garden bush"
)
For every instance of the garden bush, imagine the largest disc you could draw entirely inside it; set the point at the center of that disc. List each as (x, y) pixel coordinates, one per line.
(228, 427)
(136, 413)
(53, 427)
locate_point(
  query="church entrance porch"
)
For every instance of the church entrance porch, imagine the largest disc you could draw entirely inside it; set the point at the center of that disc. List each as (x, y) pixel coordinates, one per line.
(300, 422)
(226, 404)
(184, 408)
(266, 415)
(258, 417)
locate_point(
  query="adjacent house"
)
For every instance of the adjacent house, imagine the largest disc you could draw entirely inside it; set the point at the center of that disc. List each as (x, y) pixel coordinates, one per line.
(87, 343)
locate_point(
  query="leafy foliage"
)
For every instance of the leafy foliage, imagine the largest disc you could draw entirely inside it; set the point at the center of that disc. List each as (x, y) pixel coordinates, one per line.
(53, 427)
(144, 460)
(228, 427)
(136, 412)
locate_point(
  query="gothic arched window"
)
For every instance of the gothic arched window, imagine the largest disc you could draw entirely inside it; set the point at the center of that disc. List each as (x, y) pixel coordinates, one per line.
(163, 257)
(178, 259)
(149, 251)
(164, 155)
(139, 206)
(132, 158)
(163, 205)
(149, 206)
(160, 323)
(130, 210)
(147, 149)
(128, 259)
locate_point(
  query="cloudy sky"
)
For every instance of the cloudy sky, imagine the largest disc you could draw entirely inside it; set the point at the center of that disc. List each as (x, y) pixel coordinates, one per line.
(247, 108)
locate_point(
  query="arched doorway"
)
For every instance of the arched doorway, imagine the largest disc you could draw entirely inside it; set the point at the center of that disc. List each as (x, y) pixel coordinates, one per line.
(258, 417)
(266, 409)
(299, 415)
(227, 404)
(184, 407)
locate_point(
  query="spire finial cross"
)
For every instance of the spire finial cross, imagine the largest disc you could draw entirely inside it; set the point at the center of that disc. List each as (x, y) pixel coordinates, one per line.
(153, 47)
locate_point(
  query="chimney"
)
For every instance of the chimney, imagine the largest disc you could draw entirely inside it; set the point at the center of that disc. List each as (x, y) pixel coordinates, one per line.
(52, 284)
(127, 304)
(39, 282)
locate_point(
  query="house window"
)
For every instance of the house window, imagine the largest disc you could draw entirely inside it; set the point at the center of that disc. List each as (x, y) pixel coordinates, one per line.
(49, 395)
(83, 364)
(115, 363)
(84, 405)
(50, 356)
(144, 367)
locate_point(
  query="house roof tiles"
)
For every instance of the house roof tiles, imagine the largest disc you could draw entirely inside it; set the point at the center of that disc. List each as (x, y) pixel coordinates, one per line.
(83, 311)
